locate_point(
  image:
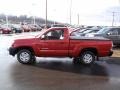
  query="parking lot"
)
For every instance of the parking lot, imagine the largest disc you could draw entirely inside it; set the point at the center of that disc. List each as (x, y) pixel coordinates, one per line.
(56, 73)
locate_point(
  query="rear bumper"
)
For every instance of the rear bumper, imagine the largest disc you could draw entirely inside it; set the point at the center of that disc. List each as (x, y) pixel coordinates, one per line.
(110, 53)
(12, 51)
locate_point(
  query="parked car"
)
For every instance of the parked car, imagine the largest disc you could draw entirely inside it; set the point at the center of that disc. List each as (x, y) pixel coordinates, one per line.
(112, 33)
(84, 32)
(76, 31)
(89, 31)
(89, 27)
(35, 28)
(43, 26)
(5, 30)
(58, 42)
(58, 25)
(17, 28)
(38, 28)
(26, 28)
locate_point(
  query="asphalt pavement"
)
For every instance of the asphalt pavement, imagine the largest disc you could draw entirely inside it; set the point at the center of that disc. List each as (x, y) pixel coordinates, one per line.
(56, 73)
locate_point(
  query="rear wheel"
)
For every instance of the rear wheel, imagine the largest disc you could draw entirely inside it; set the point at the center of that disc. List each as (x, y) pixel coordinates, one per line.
(25, 56)
(87, 57)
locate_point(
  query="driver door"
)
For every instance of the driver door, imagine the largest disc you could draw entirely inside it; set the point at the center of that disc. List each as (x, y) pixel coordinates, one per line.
(54, 44)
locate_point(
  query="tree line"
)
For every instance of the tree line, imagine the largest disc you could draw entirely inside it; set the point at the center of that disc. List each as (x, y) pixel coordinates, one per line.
(23, 19)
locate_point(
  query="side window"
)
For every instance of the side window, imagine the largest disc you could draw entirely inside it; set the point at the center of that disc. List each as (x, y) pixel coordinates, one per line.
(54, 35)
(113, 32)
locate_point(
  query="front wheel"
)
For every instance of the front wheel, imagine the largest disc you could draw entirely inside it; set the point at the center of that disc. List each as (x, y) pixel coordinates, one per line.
(25, 57)
(87, 57)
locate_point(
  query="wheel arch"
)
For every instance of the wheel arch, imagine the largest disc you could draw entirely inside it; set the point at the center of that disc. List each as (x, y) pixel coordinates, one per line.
(25, 47)
(91, 49)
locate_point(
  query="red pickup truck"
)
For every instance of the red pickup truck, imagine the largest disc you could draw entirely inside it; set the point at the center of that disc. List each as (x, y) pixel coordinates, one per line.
(58, 42)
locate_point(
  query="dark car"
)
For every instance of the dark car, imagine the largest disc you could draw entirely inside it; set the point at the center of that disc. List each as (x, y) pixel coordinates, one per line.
(16, 29)
(112, 33)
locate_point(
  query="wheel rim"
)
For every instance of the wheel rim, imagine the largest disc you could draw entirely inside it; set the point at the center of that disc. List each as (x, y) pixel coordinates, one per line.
(87, 58)
(24, 56)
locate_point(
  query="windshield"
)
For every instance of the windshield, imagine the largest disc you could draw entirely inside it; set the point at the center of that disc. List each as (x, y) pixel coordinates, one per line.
(42, 32)
(103, 30)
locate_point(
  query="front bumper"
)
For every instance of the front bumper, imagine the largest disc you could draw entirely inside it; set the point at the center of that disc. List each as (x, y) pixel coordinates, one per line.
(12, 51)
(110, 53)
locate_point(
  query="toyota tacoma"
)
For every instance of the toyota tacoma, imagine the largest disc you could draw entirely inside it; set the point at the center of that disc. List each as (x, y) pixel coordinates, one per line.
(59, 42)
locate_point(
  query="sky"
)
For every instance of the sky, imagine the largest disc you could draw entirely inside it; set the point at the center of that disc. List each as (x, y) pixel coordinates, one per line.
(90, 11)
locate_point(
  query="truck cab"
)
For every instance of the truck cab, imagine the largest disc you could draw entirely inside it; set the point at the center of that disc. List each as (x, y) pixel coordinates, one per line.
(54, 42)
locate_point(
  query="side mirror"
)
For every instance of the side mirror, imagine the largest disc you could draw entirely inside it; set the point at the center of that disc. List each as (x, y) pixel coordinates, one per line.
(43, 37)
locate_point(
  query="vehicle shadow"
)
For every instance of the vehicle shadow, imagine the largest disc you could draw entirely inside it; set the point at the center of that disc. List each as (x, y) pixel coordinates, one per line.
(97, 69)
(113, 60)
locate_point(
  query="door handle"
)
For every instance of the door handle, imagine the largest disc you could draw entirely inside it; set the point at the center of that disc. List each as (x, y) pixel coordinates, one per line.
(44, 48)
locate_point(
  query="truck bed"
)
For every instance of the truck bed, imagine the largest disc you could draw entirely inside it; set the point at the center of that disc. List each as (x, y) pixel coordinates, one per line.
(87, 38)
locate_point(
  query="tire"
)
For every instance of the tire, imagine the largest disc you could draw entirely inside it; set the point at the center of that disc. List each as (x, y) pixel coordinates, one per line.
(25, 56)
(76, 60)
(87, 58)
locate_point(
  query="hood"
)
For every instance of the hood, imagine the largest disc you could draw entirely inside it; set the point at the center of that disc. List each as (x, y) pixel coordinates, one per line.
(24, 40)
